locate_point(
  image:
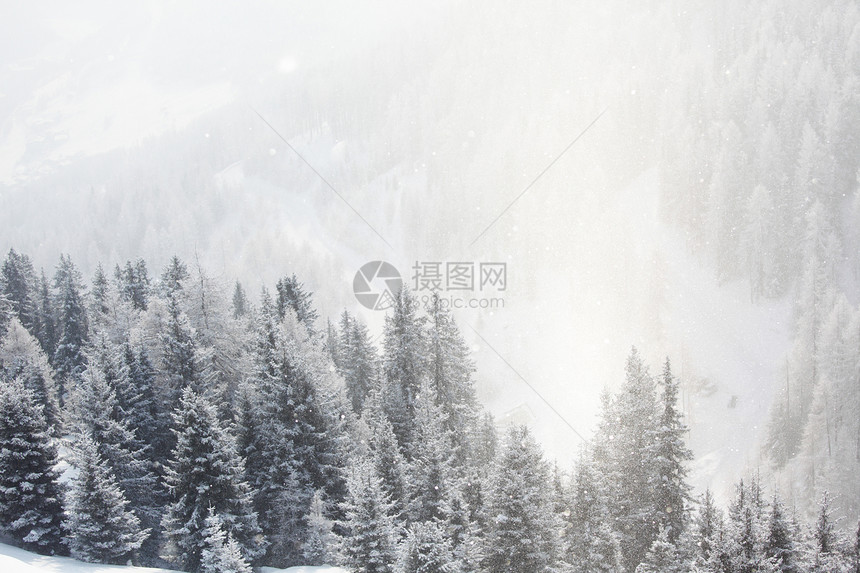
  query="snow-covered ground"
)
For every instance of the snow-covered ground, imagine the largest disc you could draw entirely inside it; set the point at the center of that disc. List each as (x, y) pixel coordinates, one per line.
(14, 560)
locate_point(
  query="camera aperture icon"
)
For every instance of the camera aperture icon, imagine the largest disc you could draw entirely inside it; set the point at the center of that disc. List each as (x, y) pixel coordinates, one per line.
(375, 285)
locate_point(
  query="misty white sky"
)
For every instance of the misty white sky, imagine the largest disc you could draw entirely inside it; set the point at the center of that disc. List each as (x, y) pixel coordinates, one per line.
(127, 130)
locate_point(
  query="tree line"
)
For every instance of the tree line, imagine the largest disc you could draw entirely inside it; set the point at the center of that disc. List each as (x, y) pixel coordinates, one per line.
(159, 421)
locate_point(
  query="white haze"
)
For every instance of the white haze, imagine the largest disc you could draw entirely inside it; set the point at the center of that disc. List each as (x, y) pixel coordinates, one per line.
(130, 130)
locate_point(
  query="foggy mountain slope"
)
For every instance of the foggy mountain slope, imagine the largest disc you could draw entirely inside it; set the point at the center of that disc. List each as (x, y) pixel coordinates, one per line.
(429, 125)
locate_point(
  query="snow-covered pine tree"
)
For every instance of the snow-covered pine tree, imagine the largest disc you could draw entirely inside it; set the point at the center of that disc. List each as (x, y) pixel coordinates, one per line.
(670, 455)
(484, 442)
(173, 277)
(21, 357)
(72, 331)
(357, 360)
(332, 343)
(780, 545)
(240, 304)
(133, 283)
(369, 542)
(387, 459)
(18, 284)
(320, 545)
(746, 530)
(590, 543)
(629, 465)
(221, 553)
(280, 493)
(95, 414)
(47, 333)
(99, 294)
(706, 528)
(5, 313)
(663, 557)
(102, 529)
(205, 472)
(427, 549)
(178, 351)
(292, 294)
(451, 369)
(31, 507)
(301, 443)
(403, 363)
(828, 552)
(523, 531)
(109, 406)
(135, 392)
(432, 481)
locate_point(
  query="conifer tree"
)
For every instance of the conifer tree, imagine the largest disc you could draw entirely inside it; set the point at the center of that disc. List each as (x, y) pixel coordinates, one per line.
(221, 553)
(47, 332)
(17, 283)
(451, 371)
(779, 547)
(387, 459)
(102, 529)
(357, 360)
(22, 357)
(99, 293)
(432, 480)
(404, 361)
(72, 331)
(240, 301)
(205, 472)
(670, 455)
(178, 347)
(427, 549)
(31, 507)
(173, 278)
(628, 461)
(320, 545)
(292, 294)
(662, 557)
(119, 416)
(707, 526)
(522, 536)
(369, 539)
(134, 284)
(591, 544)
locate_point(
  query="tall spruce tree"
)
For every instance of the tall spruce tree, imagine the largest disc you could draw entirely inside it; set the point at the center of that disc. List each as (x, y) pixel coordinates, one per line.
(433, 483)
(623, 456)
(780, 545)
(292, 294)
(18, 284)
(387, 459)
(670, 455)
(205, 472)
(427, 549)
(31, 506)
(523, 531)
(221, 553)
(47, 332)
(102, 529)
(357, 360)
(369, 538)
(451, 371)
(72, 331)
(240, 302)
(404, 364)
(591, 544)
(21, 357)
